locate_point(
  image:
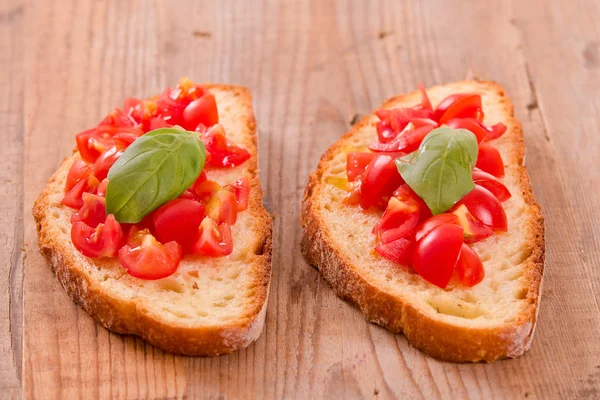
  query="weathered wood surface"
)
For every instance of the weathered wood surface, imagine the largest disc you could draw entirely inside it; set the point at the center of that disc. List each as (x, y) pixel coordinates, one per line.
(311, 66)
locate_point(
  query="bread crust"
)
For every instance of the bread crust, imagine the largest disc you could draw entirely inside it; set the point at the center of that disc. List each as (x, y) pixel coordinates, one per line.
(131, 316)
(440, 339)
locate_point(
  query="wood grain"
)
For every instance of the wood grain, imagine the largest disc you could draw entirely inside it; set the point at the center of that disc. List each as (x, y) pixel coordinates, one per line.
(311, 65)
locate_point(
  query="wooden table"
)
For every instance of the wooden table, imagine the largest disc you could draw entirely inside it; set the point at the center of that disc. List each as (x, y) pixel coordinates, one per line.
(311, 65)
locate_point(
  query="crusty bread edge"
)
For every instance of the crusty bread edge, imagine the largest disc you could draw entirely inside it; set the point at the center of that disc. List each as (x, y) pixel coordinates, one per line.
(129, 317)
(439, 339)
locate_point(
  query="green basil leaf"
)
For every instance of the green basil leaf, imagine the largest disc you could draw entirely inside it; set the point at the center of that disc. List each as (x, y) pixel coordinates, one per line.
(440, 171)
(154, 169)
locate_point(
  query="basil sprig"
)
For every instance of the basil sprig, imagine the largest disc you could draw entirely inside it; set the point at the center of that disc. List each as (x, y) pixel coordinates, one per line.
(154, 169)
(440, 171)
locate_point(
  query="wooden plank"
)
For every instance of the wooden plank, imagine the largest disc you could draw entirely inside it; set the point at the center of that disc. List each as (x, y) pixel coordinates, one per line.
(11, 197)
(311, 66)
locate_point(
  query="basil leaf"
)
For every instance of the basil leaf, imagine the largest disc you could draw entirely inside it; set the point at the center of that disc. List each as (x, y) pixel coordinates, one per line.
(440, 171)
(154, 169)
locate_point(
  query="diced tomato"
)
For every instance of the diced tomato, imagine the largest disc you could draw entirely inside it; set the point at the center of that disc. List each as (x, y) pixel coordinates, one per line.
(485, 207)
(78, 171)
(380, 179)
(436, 254)
(117, 119)
(495, 131)
(101, 191)
(102, 241)
(170, 108)
(222, 207)
(223, 152)
(490, 160)
(491, 183)
(406, 194)
(149, 259)
(73, 198)
(425, 102)
(201, 111)
(205, 189)
(469, 267)
(241, 189)
(398, 220)
(124, 139)
(93, 211)
(353, 196)
(90, 144)
(399, 251)
(104, 162)
(356, 162)
(201, 178)
(434, 221)
(213, 240)
(393, 121)
(134, 108)
(158, 122)
(474, 230)
(178, 220)
(461, 105)
(470, 124)
(406, 142)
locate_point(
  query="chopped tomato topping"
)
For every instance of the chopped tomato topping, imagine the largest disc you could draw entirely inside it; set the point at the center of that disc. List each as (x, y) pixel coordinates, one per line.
(434, 221)
(474, 230)
(485, 207)
(399, 251)
(223, 152)
(380, 179)
(178, 220)
(213, 240)
(201, 111)
(92, 212)
(490, 160)
(73, 198)
(78, 171)
(104, 162)
(469, 267)
(102, 241)
(144, 257)
(241, 190)
(491, 183)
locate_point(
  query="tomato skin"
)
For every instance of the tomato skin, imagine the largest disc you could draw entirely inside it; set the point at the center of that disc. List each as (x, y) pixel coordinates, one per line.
(490, 160)
(432, 222)
(393, 121)
(223, 153)
(213, 240)
(241, 189)
(150, 260)
(425, 102)
(475, 231)
(124, 139)
(398, 220)
(491, 183)
(102, 241)
(406, 142)
(380, 179)
(497, 130)
(356, 162)
(104, 162)
(222, 207)
(436, 254)
(90, 145)
(399, 251)
(178, 220)
(78, 171)
(101, 191)
(469, 267)
(201, 111)
(92, 212)
(470, 124)
(74, 197)
(462, 105)
(485, 207)
(406, 194)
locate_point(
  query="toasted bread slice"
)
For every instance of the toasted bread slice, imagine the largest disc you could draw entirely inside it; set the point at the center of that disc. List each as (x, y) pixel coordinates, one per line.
(210, 306)
(494, 319)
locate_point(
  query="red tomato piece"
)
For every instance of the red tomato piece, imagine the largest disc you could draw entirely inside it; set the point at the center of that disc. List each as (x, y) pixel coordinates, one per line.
(399, 251)
(434, 221)
(495, 131)
(78, 171)
(91, 144)
(436, 254)
(157, 123)
(101, 191)
(470, 124)
(475, 231)
(398, 220)
(170, 108)
(241, 189)
(425, 102)
(93, 211)
(213, 240)
(491, 183)
(201, 111)
(124, 139)
(469, 267)
(393, 121)
(205, 189)
(104, 162)
(178, 220)
(223, 152)
(73, 198)
(380, 179)
(490, 160)
(353, 196)
(222, 207)
(461, 105)
(406, 194)
(148, 259)
(356, 162)
(102, 241)
(406, 142)
(485, 207)
(134, 108)
(117, 119)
